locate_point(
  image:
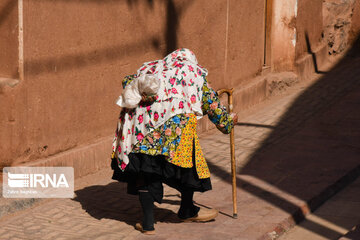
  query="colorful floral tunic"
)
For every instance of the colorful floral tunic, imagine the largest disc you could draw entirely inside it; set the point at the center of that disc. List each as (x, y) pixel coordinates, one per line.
(182, 102)
(166, 139)
(180, 80)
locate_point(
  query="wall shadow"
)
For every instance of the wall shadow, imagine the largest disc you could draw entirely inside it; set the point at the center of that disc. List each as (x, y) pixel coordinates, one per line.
(313, 55)
(173, 14)
(113, 53)
(172, 24)
(6, 10)
(92, 57)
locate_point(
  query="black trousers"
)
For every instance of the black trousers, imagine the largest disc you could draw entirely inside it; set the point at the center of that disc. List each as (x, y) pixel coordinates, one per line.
(187, 208)
(145, 176)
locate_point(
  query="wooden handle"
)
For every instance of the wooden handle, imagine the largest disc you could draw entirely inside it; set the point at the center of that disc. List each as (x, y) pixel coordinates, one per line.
(232, 150)
(229, 92)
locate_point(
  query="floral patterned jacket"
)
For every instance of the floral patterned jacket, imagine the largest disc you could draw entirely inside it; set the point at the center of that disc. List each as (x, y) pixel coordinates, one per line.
(165, 139)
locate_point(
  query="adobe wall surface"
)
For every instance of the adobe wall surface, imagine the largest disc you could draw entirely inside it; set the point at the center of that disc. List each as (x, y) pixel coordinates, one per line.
(283, 35)
(9, 39)
(308, 25)
(341, 24)
(245, 52)
(355, 22)
(202, 28)
(76, 53)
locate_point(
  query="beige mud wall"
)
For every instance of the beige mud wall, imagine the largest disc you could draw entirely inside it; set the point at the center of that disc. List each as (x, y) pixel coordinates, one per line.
(293, 20)
(355, 22)
(245, 51)
(76, 53)
(283, 35)
(9, 136)
(8, 39)
(309, 21)
(340, 24)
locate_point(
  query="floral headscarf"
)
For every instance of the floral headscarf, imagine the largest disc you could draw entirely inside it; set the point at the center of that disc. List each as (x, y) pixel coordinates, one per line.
(180, 91)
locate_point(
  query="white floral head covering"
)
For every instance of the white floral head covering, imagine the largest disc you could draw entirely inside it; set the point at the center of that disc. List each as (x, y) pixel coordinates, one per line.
(182, 55)
(180, 81)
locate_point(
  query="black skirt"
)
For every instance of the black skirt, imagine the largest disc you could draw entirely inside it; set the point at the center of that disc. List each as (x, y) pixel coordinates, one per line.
(147, 172)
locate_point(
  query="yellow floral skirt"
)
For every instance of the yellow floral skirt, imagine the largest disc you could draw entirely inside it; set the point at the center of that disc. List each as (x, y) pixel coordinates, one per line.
(184, 152)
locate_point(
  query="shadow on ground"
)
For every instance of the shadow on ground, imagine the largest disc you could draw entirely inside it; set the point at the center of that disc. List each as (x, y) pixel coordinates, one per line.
(314, 150)
(112, 202)
(311, 154)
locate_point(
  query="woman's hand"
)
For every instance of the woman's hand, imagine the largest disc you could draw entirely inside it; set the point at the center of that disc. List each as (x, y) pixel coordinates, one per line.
(222, 128)
(234, 117)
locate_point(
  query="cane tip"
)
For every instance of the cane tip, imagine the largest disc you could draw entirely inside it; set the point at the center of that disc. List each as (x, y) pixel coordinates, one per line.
(235, 215)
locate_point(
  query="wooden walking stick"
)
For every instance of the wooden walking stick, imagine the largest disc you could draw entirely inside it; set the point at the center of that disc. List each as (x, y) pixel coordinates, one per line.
(232, 149)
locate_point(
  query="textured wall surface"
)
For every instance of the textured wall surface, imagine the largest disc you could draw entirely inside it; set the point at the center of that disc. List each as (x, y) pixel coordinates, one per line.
(245, 52)
(355, 22)
(283, 35)
(9, 39)
(338, 24)
(308, 25)
(76, 53)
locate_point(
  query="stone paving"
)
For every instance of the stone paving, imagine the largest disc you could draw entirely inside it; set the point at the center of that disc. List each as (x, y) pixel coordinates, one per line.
(354, 233)
(293, 153)
(333, 219)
